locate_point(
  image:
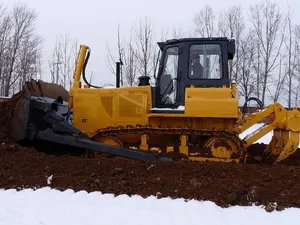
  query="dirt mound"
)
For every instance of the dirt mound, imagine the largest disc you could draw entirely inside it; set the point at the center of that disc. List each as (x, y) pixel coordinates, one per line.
(255, 155)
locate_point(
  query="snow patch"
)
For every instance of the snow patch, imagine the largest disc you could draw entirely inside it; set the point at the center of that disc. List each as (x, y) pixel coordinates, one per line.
(265, 139)
(180, 108)
(49, 179)
(48, 206)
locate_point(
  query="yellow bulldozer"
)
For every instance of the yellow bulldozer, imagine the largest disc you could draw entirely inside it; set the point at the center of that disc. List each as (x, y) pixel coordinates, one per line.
(192, 110)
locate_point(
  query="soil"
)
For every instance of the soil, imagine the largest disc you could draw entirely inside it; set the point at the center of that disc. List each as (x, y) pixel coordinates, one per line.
(275, 186)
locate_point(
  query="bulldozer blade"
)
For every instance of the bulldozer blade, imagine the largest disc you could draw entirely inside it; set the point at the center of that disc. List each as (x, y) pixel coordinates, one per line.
(21, 108)
(44, 89)
(18, 129)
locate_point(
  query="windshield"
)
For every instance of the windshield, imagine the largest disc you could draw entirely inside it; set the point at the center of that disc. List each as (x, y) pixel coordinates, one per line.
(205, 61)
(168, 80)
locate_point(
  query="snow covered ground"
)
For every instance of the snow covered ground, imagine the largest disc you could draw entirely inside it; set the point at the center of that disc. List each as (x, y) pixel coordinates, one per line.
(266, 139)
(46, 206)
(51, 207)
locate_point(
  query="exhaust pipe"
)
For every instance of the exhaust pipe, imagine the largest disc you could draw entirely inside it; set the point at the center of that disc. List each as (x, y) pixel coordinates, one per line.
(118, 73)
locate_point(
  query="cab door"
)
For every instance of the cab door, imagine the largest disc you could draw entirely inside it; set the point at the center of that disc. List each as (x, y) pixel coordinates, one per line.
(168, 80)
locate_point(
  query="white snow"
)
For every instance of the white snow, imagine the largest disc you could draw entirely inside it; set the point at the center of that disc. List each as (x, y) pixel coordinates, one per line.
(265, 139)
(179, 108)
(49, 179)
(51, 207)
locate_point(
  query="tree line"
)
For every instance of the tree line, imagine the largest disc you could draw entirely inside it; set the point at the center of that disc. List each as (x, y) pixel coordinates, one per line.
(266, 63)
(21, 51)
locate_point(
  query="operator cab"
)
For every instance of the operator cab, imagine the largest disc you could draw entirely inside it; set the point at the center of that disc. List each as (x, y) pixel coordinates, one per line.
(198, 62)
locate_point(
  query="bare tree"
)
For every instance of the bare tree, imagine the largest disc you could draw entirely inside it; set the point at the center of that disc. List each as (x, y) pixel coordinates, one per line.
(292, 53)
(62, 61)
(5, 28)
(231, 24)
(69, 53)
(177, 33)
(143, 36)
(22, 20)
(112, 58)
(204, 21)
(277, 82)
(296, 67)
(268, 25)
(130, 62)
(126, 53)
(30, 60)
(55, 61)
(20, 50)
(138, 53)
(247, 82)
(257, 65)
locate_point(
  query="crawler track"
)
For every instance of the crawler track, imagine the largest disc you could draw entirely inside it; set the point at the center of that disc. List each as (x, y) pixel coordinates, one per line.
(172, 131)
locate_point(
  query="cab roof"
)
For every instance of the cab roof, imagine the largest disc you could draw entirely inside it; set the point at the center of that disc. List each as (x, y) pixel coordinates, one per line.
(174, 41)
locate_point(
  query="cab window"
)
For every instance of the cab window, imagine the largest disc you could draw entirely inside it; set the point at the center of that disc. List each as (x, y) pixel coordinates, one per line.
(205, 61)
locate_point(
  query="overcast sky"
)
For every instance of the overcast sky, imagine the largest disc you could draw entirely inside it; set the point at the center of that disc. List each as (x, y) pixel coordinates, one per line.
(94, 22)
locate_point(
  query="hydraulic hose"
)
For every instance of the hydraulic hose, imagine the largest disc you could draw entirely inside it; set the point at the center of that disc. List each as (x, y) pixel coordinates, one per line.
(259, 102)
(84, 67)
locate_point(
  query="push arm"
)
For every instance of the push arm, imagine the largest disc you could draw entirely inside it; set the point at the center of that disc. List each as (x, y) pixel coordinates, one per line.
(79, 65)
(285, 126)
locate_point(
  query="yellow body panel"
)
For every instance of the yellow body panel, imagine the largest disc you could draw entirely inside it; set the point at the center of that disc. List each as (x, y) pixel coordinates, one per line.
(95, 109)
(211, 102)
